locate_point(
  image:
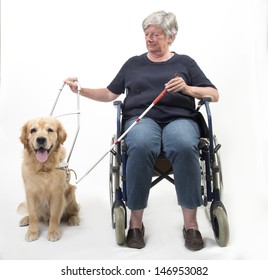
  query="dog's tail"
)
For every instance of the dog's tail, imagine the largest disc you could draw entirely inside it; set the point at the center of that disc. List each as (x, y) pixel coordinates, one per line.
(22, 209)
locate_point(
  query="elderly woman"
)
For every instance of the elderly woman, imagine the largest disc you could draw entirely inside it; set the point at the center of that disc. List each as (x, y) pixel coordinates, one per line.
(169, 126)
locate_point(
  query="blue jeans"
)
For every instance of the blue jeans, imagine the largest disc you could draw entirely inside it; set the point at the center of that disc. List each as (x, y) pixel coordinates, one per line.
(179, 141)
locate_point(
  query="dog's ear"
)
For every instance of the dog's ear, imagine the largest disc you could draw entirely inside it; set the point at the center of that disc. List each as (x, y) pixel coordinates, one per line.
(62, 135)
(24, 134)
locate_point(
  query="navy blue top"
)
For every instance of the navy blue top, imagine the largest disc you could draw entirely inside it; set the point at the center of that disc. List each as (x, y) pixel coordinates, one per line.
(143, 80)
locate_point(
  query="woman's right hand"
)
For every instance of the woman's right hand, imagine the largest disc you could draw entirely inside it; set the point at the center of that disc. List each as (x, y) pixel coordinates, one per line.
(71, 82)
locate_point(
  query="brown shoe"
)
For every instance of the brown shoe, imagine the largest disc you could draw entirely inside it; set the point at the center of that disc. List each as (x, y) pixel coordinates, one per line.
(193, 239)
(135, 238)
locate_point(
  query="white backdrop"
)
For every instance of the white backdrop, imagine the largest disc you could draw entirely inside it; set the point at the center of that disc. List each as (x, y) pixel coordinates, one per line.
(43, 42)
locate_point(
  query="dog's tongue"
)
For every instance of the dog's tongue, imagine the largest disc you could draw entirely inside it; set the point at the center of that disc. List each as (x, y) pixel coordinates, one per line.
(41, 155)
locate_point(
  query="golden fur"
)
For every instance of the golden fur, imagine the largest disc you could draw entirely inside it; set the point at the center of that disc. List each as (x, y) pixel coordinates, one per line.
(49, 195)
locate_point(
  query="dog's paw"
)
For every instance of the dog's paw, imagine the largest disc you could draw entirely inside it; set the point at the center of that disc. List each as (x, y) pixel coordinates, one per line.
(74, 221)
(24, 221)
(31, 235)
(53, 236)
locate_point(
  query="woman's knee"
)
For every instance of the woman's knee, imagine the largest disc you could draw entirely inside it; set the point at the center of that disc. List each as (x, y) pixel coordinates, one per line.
(144, 138)
(181, 138)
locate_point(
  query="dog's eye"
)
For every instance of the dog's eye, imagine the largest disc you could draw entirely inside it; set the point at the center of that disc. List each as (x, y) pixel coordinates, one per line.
(33, 130)
(50, 130)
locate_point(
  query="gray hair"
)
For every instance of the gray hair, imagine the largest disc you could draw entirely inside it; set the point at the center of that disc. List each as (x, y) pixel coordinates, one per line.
(167, 21)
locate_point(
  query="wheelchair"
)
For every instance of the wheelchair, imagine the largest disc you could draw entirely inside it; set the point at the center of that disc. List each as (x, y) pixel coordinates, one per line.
(211, 177)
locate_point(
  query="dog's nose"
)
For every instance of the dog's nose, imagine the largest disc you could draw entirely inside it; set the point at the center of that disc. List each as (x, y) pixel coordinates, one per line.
(41, 140)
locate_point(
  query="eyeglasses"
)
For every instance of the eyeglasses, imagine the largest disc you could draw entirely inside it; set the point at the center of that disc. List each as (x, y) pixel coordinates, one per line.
(153, 35)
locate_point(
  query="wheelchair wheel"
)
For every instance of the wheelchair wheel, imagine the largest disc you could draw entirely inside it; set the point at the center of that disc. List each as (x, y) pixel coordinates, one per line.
(119, 224)
(219, 223)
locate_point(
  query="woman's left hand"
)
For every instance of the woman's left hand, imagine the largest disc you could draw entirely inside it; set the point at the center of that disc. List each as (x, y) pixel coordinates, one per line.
(177, 84)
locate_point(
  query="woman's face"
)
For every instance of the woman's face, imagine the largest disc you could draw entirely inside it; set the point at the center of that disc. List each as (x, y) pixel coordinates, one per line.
(156, 39)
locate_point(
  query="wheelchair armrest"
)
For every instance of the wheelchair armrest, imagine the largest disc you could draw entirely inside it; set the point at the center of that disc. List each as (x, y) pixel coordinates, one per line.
(204, 100)
(117, 103)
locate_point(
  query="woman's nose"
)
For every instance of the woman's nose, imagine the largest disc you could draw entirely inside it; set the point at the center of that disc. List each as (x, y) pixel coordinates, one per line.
(149, 37)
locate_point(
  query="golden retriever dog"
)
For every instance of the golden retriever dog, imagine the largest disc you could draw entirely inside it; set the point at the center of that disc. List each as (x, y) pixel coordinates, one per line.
(49, 195)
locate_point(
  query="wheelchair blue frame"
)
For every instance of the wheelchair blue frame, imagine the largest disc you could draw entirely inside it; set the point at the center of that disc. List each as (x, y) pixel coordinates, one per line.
(211, 191)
